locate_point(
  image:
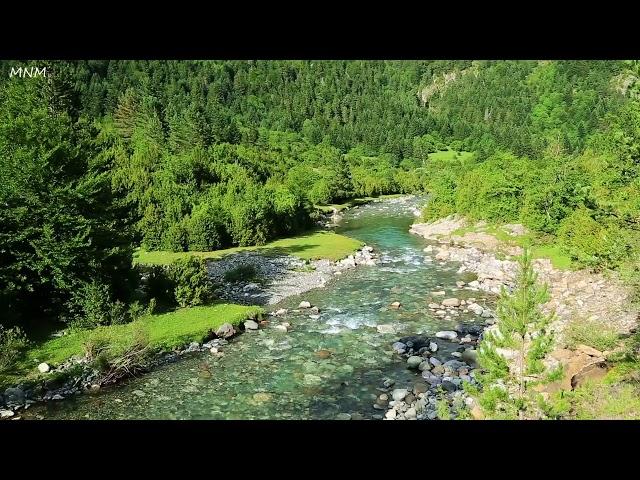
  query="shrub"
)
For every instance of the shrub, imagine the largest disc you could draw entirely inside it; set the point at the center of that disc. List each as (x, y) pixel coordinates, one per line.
(90, 306)
(13, 342)
(206, 230)
(590, 333)
(190, 278)
(176, 238)
(593, 243)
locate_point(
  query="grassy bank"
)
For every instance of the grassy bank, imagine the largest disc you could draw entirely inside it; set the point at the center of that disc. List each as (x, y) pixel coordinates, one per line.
(311, 246)
(166, 331)
(541, 247)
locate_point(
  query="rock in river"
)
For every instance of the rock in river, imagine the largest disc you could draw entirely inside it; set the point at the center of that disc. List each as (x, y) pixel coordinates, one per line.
(414, 361)
(304, 304)
(44, 367)
(395, 305)
(226, 330)
(385, 329)
(323, 354)
(410, 414)
(250, 325)
(451, 302)
(399, 394)
(14, 396)
(447, 335)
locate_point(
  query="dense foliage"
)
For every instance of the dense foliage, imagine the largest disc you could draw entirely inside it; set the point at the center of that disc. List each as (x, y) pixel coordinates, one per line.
(103, 156)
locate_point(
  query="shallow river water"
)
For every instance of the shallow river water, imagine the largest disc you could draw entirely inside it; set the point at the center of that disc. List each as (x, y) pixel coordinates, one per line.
(269, 374)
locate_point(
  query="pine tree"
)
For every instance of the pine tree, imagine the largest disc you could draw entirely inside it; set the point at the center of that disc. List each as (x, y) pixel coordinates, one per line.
(521, 329)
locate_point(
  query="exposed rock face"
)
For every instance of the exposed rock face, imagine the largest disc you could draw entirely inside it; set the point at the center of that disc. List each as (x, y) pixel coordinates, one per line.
(573, 294)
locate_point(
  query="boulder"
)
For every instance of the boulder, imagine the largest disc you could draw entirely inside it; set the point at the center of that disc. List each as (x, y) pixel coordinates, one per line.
(447, 335)
(225, 330)
(44, 367)
(414, 361)
(304, 304)
(475, 308)
(14, 396)
(399, 394)
(250, 325)
(282, 311)
(395, 305)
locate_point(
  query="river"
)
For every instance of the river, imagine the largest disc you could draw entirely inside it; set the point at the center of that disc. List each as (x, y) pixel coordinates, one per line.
(324, 367)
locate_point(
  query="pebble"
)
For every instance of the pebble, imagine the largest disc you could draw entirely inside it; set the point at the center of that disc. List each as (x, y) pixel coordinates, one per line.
(434, 361)
(433, 346)
(410, 414)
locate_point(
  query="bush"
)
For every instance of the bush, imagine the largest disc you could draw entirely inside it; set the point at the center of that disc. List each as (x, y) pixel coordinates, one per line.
(90, 306)
(176, 238)
(590, 333)
(191, 284)
(592, 243)
(206, 231)
(13, 342)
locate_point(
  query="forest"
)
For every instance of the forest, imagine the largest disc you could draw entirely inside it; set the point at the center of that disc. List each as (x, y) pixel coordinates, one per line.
(102, 157)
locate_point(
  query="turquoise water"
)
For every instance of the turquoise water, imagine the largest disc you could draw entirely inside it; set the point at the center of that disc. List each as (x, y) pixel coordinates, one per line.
(322, 367)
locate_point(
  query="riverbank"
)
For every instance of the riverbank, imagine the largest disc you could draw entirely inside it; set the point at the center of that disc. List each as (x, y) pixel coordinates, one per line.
(593, 311)
(64, 366)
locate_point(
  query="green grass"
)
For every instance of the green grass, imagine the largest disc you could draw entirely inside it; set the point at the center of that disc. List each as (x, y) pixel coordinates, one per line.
(450, 155)
(166, 331)
(593, 334)
(540, 247)
(311, 246)
(598, 401)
